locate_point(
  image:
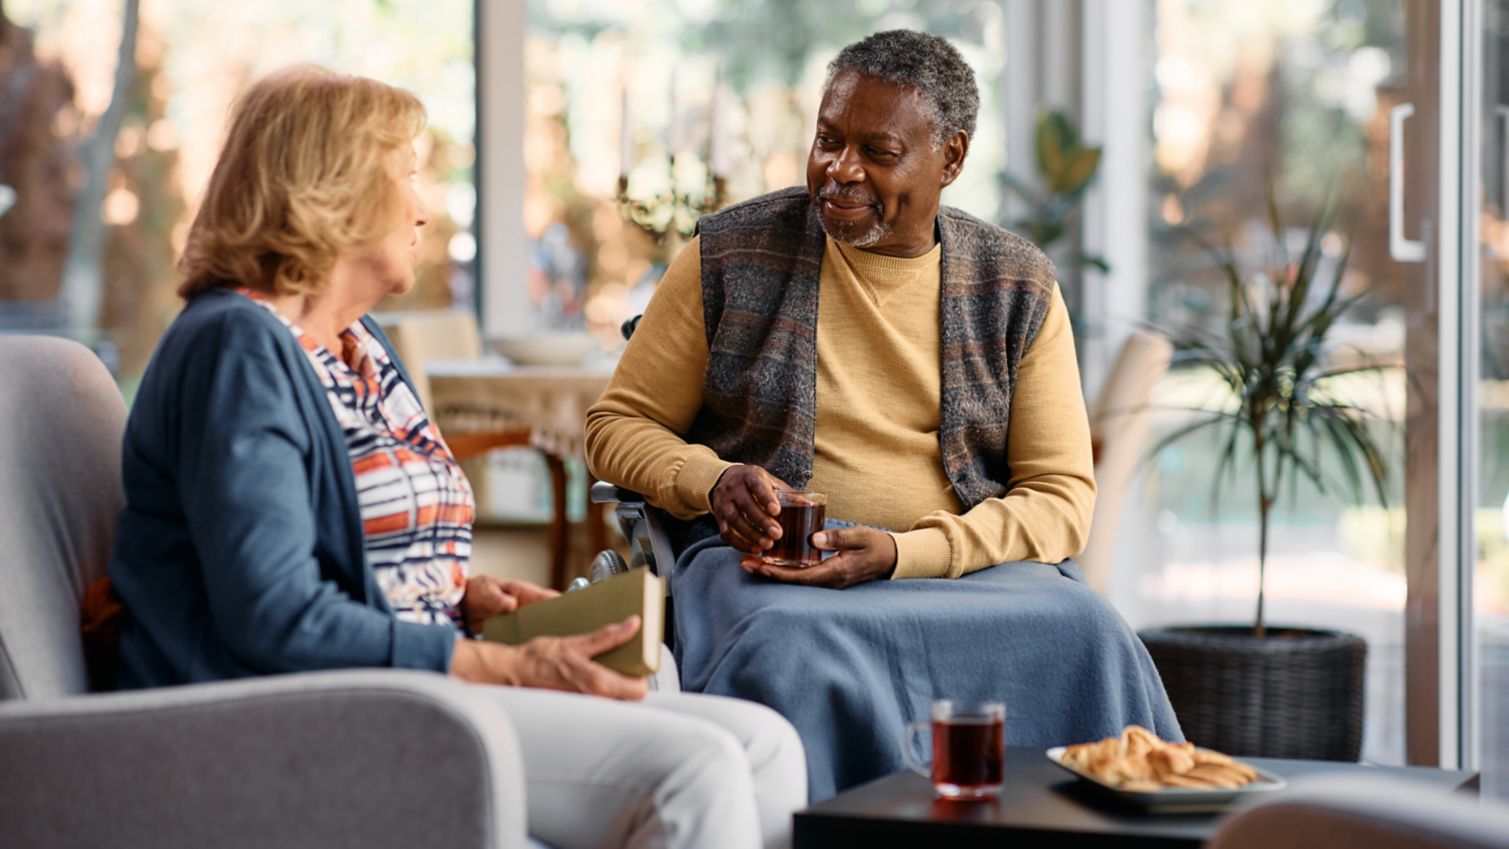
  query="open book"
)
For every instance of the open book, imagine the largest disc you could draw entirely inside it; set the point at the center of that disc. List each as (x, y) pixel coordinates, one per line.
(636, 592)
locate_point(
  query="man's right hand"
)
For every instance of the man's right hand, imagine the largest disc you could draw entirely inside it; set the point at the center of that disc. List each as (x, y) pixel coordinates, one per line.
(553, 663)
(744, 504)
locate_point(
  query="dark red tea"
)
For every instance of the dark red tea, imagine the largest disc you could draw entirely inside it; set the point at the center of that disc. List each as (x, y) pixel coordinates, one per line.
(802, 515)
(968, 752)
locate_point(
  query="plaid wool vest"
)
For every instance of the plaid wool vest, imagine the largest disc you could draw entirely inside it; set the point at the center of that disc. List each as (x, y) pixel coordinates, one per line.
(761, 263)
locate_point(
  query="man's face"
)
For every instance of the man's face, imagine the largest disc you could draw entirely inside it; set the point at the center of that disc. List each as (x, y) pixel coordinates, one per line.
(874, 172)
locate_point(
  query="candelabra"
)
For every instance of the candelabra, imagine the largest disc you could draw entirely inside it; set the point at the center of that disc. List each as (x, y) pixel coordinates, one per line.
(673, 208)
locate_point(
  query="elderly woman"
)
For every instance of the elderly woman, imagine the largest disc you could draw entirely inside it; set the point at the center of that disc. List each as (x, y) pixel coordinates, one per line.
(290, 506)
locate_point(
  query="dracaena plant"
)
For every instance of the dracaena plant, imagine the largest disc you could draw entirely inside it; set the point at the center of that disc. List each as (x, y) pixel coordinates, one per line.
(1278, 405)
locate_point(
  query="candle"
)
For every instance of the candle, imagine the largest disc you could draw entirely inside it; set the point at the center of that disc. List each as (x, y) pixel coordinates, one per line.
(625, 135)
(717, 145)
(670, 127)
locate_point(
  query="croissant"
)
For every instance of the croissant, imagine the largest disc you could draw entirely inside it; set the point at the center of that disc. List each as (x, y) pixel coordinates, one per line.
(1137, 760)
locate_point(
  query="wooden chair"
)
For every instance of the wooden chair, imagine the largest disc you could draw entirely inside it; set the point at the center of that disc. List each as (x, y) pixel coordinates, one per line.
(422, 337)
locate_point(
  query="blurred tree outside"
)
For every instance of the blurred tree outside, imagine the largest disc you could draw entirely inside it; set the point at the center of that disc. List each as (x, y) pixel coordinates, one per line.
(1248, 93)
(144, 200)
(38, 137)
(59, 88)
(81, 292)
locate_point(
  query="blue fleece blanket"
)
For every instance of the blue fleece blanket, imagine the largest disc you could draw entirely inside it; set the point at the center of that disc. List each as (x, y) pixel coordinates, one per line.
(849, 668)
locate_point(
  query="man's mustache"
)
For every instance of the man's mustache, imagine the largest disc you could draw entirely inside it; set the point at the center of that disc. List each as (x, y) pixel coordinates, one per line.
(833, 193)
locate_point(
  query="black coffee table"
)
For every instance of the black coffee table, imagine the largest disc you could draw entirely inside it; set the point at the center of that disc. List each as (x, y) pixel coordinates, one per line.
(1041, 805)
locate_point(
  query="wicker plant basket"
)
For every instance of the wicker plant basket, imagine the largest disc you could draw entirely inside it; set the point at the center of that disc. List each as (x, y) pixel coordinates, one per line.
(1297, 693)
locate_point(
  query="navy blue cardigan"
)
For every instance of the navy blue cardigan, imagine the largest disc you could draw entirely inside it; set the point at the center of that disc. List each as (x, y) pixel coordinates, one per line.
(240, 550)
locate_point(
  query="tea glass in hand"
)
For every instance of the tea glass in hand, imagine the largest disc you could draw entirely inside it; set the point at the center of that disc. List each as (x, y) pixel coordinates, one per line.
(802, 515)
(969, 749)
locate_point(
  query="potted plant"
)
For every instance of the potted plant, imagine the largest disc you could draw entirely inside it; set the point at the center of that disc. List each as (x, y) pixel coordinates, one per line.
(1066, 167)
(1260, 689)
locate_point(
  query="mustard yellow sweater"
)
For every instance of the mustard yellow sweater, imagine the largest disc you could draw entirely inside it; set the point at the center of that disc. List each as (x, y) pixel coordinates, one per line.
(878, 387)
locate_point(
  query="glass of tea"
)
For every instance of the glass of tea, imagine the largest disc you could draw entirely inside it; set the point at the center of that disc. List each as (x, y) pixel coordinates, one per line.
(802, 515)
(969, 749)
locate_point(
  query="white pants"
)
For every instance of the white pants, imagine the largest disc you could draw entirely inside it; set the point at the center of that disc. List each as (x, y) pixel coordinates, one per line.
(676, 771)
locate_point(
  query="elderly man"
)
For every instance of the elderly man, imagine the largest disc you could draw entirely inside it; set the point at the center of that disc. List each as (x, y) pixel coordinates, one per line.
(915, 364)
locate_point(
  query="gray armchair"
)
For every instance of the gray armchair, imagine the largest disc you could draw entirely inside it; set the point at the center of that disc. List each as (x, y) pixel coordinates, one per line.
(1367, 813)
(359, 758)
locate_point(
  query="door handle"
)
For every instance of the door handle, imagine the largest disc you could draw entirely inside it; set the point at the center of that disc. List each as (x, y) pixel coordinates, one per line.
(1399, 247)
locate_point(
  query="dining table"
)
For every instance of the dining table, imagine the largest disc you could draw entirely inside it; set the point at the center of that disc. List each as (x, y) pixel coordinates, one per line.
(490, 402)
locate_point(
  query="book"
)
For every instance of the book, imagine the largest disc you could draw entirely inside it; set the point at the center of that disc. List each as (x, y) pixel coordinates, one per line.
(636, 592)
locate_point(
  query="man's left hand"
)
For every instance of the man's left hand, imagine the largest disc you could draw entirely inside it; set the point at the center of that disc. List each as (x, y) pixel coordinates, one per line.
(864, 554)
(487, 596)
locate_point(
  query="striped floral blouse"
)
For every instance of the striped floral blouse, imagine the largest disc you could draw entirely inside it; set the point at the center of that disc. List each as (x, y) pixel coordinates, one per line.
(416, 504)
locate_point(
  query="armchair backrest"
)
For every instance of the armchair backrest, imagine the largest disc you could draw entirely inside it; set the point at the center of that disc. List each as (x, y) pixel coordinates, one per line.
(60, 499)
(1119, 423)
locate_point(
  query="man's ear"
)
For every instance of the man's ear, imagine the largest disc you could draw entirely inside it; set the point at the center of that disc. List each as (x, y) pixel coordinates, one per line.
(954, 151)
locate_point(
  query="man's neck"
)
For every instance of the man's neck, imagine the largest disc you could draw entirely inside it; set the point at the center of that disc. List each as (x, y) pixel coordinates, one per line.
(901, 252)
(908, 246)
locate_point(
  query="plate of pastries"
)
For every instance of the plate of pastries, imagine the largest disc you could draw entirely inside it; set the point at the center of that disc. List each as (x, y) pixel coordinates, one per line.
(1139, 768)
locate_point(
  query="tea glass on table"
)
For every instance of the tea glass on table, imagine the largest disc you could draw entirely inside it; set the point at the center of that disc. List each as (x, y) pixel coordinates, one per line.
(802, 515)
(969, 749)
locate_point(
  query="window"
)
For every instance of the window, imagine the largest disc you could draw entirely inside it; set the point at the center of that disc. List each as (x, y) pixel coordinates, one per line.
(191, 59)
(1292, 98)
(1344, 99)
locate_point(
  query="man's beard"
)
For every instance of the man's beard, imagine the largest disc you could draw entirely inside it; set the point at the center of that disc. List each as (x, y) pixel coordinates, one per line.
(854, 233)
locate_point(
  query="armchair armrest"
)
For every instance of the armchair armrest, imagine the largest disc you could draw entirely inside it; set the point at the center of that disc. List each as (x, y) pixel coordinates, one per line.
(332, 759)
(1367, 812)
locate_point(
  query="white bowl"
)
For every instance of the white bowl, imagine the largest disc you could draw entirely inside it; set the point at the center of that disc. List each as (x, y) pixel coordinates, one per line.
(546, 349)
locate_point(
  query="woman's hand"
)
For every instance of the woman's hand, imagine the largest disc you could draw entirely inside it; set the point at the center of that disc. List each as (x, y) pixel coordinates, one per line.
(744, 504)
(487, 596)
(553, 663)
(864, 554)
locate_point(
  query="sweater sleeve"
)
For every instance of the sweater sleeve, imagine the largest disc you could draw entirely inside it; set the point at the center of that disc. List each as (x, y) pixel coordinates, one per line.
(241, 457)
(634, 431)
(1045, 513)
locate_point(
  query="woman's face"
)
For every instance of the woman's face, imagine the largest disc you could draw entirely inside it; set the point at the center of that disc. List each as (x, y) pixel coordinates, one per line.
(390, 260)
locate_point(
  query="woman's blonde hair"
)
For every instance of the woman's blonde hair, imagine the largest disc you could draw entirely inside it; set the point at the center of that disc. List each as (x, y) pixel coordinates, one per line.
(302, 179)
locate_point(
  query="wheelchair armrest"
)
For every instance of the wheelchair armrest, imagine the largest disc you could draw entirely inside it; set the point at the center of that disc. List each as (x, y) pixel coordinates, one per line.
(606, 493)
(642, 524)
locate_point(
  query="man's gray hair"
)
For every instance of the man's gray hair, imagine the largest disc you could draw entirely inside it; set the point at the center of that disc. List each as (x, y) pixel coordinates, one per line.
(931, 64)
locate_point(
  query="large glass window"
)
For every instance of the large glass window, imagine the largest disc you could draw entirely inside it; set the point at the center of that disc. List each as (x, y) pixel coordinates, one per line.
(1289, 101)
(1348, 102)
(687, 106)
(118, 224)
